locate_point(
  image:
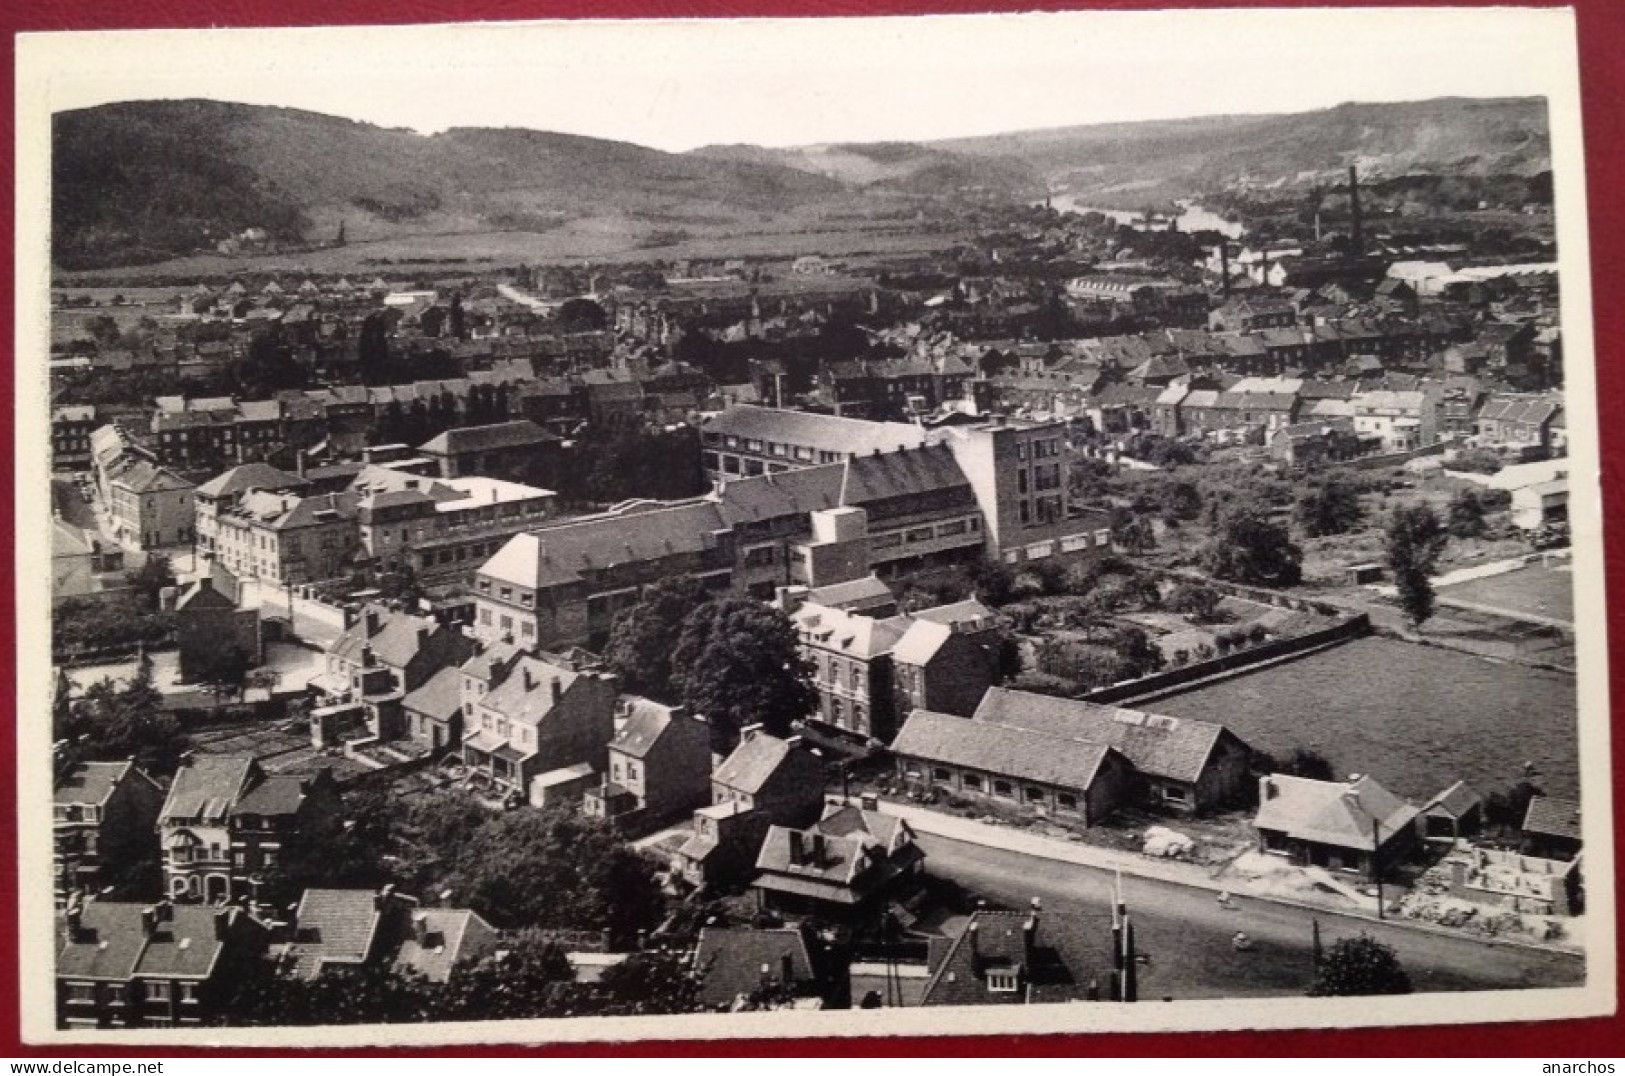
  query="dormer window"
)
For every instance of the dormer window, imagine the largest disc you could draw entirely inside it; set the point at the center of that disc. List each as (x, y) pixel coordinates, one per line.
(1001, 982)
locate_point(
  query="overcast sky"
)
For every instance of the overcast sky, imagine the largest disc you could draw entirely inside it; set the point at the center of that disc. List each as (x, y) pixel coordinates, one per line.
(677, 85)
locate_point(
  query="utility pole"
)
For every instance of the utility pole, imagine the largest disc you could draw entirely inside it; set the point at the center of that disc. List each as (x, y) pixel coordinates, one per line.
(1376, 866)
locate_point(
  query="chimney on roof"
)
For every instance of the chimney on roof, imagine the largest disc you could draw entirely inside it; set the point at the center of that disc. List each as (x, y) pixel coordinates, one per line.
(798, 853)
(374, 621)
(382, 899)
(149, 921)
(1267, 788)
(420, 927)
(792, 742)
(787, 970)
(558, 690)
(750, 732)
(972, 935)
(423, 635)
(817, 849)
(368, 658)
(530, 679)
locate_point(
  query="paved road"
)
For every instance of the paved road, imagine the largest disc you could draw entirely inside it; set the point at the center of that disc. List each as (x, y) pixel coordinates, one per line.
(1187, 934)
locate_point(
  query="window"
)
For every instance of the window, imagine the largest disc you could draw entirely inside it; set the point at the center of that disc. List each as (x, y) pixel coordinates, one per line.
(507, 623)
(1026, 512)
(972, 781)
(940, 774)
(485, 617)
(949, 529)
(1034, 795)
(1066, 801)
(1021, 481)
(82, 992)
(157, 991)
(1173, 794)
(1003, 788)
(919, 534)
(1001, 982)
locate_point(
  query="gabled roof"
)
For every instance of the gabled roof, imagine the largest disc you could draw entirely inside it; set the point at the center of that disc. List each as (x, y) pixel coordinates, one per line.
(860, 851)
(206, 788)
(440, 697)
(275, 796)
(520, 433)
(527, 693)
(1455, 801)
(394, 644)
(852, 634)
(920, 643)
(646, 722)
(1001, 749)
(1552, 817)
(1170, 747)
(554, 555)
(1349, 815)
(729, 961)
(855, 595)
(202, 594)
(830, 433)
(333, 926)
(112, 943)
(249, 476)
(91, 783)
(753, 763)
(447, 936)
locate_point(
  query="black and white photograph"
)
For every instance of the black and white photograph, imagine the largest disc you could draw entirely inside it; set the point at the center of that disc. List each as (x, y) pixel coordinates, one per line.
(862, 526)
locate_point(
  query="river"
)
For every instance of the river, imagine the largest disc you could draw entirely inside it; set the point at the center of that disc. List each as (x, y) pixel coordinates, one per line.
(1192, 217)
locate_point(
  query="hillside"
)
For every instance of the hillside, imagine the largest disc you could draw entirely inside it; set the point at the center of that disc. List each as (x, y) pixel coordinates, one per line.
(908, 168)
(140, 181)
(1137, 162)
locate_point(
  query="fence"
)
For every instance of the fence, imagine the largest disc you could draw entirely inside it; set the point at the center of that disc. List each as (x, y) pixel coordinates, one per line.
(1352, 627)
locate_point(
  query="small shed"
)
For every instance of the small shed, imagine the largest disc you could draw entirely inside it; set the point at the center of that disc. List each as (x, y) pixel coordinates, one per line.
(1456, 812)
(1363, 574)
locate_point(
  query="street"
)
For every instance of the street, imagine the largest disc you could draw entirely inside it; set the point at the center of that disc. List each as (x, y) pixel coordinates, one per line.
(1186, 933)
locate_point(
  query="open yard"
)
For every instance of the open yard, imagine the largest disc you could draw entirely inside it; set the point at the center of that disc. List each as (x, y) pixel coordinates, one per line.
(1542, 592)
(1416, 718)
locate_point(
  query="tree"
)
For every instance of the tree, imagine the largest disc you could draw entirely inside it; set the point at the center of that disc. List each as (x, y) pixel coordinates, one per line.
(1248, 548)
(459, 321)
(111, 723)
(1358, 967)
(267, 368)
(223, 672)
(1196, 600)
(370, 993)
(1132, 531)
(581, 315)
(1181, 502)
(1466, 514)
(557, 869)
(738, 662)
(643, 637)
(1329, 507)
(149, 580)
(525, 979)
(992, 582)
(373, 345)
(1412, 545)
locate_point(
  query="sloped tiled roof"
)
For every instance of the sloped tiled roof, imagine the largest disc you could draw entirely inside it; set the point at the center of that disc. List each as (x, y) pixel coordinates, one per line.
(440, 697)
(1001, 749)
(1176, 748)
(89, 783)
(1329, 812)
(1455, 801)
(752, 763)
(517, 434)
(1552, 817)
(249, 476)
(847, 633)
(206, 787)
(829, 433)
(333, 926)
(527, 694)
(448, 935)
(645, 724)
(729, 961)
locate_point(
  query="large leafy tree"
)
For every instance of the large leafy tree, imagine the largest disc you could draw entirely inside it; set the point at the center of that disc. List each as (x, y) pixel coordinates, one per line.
(558, 870)
(148, 581)
(1359, 966)
(643, 637)
(112, 723)
(1466, 514)
(1246, 547)
(1412, 545)
(737, 662)
(1329, 507)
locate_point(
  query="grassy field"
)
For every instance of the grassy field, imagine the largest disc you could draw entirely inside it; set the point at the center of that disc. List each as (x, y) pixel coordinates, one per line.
(608, 239)
(1416, 718)
(1546, 592)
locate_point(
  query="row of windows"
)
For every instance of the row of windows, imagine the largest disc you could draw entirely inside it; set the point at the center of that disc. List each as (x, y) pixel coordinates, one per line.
(917, 535)
(972, 782)
(85, 993)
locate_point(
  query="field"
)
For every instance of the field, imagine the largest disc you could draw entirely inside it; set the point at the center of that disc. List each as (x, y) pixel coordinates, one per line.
(605, 239)
(1416, 718)
(1542, 592)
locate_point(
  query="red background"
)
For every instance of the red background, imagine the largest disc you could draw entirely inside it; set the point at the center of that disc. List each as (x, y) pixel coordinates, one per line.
(1602, 70)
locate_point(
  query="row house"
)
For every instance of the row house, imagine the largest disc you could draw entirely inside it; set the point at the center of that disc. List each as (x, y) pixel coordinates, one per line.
(150, 506)
(543, 716)
(441, 528)
(102, 814)
(71, 428)
(347, 929)
(284, 538)
(225, 821)
(382, 657)
(871, 672)
(659, 763)
(765, 781)
(131, 965)
(1518, 422)
(1400, 421)
(225, 490)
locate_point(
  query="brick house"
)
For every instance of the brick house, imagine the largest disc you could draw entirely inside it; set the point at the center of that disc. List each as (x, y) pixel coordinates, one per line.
(434, 712)
(659, 762)
(103, 815)
(543, 716)
(1357, 826)
(207, 621)
(157, 965)
(1180, 764)
(225, 820)
(843, 868)
(510, 450)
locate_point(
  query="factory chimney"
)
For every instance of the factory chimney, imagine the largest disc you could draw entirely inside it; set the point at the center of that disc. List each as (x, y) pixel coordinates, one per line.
(1356, 224)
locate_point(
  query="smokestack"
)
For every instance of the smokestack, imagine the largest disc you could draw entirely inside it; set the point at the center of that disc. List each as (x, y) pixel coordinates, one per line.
(1356, 224)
